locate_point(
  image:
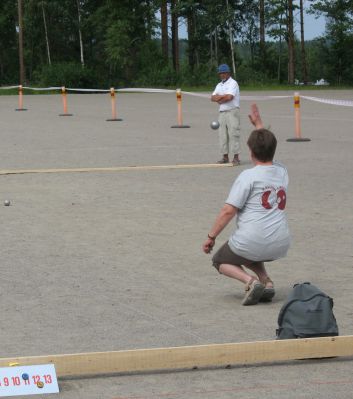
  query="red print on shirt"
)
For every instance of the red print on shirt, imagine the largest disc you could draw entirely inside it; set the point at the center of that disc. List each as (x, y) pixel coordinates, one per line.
(271, 196)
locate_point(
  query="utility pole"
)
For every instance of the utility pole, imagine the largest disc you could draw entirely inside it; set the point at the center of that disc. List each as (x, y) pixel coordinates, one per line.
(302, 44)
(290, 33)
(231, 39)
(20, 43)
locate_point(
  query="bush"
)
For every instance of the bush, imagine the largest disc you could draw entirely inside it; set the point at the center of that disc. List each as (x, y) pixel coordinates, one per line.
(66, 74)
(249, 76)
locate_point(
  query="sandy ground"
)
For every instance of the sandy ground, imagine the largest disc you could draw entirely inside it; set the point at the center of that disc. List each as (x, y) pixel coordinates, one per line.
(102, 261)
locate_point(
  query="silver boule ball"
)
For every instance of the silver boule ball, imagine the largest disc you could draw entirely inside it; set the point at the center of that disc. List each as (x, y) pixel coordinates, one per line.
(214, 125)
(7, 202)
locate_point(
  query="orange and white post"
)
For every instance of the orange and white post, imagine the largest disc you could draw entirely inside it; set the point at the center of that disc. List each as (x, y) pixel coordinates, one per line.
(113, 101)
(20, 99)
(64, 98)
(113, 104)
(180, 115)
(298, 129)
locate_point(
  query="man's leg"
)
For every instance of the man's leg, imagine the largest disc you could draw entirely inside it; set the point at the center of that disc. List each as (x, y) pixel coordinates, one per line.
(223, 137)
(236, 272)
(259, 269)
(254, 289)
(233, 123)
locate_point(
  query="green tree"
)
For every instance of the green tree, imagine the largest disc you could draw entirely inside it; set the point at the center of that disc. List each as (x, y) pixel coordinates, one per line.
(9, 65)
(339, 37)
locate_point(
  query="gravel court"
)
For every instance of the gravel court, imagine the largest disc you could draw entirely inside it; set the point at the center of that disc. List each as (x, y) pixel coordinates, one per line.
(109, 261)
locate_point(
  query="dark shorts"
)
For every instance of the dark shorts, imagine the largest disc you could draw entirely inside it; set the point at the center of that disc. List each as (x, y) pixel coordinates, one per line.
(226, 255)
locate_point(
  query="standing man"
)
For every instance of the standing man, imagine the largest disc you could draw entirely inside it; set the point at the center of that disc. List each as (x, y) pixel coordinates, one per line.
(226, 94)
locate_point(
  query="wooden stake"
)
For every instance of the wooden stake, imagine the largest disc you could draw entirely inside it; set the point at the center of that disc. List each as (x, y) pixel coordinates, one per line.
(188, 357)
(114, 169)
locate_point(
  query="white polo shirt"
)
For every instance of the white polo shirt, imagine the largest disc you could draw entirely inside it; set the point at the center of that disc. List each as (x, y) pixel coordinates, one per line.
(230, 86)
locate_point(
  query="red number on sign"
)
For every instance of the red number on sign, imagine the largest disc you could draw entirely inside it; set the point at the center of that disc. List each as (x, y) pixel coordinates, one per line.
(6, 382)
(16, 381)
(36, 379)
(47, 379)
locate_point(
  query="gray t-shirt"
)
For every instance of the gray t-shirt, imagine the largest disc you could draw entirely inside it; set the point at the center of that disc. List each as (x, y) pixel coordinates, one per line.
(260, 195)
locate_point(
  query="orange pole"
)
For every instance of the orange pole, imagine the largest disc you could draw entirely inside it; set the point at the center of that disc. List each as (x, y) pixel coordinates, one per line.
(113, 103)
(63, 94)
(113, 100)
(298, 132)
(20, 97)
(180, 117)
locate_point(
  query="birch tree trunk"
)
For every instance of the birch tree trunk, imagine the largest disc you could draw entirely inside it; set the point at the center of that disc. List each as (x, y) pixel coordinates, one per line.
(80, 33)
(46, 33)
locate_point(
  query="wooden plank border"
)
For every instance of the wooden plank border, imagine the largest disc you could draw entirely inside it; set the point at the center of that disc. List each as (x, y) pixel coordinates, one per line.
(114, 169)
(188, 357)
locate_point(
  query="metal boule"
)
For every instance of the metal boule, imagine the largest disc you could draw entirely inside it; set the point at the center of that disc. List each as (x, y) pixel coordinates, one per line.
(214, 125)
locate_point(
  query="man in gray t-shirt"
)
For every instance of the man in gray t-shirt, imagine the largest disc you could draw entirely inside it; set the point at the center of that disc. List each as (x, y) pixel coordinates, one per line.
(257, 199)
(262, 231)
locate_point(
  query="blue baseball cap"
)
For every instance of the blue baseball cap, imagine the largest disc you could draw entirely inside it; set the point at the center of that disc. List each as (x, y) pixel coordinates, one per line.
(223, 68)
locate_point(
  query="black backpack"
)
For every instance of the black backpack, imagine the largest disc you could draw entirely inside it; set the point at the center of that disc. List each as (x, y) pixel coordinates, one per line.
(307, 313)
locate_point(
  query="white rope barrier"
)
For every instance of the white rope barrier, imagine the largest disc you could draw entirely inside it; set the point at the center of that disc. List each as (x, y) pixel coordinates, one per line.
(262, 98)
(189, 93)
(9, 87)
(87, 90)
(139, 90)
(344, 103)
(39, 88)
(246, 98)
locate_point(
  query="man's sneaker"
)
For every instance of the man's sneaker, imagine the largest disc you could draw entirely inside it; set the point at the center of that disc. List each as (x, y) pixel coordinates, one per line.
(223, 160)
(236, 161)
(253, 292)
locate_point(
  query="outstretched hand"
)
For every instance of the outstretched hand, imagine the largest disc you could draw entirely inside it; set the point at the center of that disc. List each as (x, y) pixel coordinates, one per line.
(255, 117)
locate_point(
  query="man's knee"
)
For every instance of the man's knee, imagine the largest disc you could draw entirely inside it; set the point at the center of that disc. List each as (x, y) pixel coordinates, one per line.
(216, 265)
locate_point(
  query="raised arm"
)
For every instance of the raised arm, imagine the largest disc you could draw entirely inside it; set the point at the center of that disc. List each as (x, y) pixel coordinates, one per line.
(255, 117)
